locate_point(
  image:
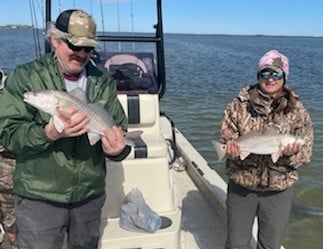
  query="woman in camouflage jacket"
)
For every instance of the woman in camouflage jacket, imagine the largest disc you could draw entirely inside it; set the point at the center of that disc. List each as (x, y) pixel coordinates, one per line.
(257, 186)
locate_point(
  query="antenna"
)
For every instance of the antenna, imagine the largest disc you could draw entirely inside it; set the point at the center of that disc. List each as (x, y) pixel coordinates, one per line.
(118, 23)
(132, 22)
(103, 29)
(48, 11)
(34, 28)
(59, 6)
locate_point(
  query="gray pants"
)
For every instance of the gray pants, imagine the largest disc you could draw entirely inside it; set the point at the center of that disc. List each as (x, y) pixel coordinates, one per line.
(43, 225)
(271, 208)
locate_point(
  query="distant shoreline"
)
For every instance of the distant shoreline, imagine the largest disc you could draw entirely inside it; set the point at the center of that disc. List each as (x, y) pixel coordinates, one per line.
(24, 26)
(16, 26)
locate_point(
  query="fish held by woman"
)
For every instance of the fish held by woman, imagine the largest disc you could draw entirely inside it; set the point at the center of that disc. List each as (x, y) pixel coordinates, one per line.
(269, 143)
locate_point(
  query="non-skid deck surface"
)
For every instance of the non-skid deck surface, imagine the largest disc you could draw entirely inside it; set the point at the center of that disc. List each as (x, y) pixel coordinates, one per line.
(202, 227)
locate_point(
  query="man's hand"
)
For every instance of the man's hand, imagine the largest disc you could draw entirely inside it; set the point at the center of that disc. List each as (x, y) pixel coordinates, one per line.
(74, 124)
(113, 141)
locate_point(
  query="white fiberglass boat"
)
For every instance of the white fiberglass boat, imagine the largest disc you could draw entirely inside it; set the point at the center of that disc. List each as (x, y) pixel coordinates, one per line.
(176, 182)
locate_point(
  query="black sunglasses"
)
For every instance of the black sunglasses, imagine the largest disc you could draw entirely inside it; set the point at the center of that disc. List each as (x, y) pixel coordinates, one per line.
(274, 75)
(77, 48)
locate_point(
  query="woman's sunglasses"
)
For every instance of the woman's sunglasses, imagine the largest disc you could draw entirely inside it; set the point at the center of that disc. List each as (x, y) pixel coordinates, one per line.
(274, 75)
(77, 48)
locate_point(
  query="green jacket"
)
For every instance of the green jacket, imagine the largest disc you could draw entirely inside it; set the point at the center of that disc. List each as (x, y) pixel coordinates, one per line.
(68, 170)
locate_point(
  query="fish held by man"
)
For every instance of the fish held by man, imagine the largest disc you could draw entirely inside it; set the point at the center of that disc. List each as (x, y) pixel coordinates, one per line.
(269, 143)
(50, 101)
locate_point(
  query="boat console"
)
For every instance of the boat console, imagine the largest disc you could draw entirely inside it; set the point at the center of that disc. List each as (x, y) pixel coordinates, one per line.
(147, 166)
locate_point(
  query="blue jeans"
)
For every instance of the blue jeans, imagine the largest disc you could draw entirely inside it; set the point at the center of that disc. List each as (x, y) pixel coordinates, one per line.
(271, 208)
(44, 225)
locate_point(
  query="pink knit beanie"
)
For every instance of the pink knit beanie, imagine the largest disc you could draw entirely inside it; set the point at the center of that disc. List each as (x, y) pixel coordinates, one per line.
(275, 61)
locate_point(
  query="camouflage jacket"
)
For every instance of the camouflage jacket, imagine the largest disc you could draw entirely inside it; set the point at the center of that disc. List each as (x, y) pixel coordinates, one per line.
(255, 111)
(7, 166)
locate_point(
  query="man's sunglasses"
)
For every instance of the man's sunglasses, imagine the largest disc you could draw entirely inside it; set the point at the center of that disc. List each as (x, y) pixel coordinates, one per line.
(77, 48)
(274, 75)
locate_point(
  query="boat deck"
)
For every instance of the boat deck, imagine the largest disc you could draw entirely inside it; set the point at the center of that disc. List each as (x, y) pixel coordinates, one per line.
(202, 226)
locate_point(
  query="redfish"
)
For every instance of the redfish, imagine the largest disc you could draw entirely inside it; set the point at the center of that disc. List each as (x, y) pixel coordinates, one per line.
(269, 143)
(50, 101)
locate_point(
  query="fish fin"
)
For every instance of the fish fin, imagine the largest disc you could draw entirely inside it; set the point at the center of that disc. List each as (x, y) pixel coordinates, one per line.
(58, 124)
(244, 154)
(93, 138)
(248, 135)
(129, 142)
(79, 94)
(219, 148)
(132, 135)
(276, 156)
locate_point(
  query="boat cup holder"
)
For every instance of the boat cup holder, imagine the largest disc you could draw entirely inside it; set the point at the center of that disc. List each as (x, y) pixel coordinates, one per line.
(165, 222)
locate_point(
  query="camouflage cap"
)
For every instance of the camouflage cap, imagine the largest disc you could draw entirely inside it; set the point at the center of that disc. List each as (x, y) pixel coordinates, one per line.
(79, 26)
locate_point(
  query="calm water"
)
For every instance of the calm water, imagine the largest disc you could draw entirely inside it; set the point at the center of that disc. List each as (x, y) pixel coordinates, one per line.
(204, 73)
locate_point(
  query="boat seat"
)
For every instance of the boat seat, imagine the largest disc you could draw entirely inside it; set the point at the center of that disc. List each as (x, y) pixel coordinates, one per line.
(114, 237)
(147, 160)
(135, 77)
(151, 176)
(142, 111)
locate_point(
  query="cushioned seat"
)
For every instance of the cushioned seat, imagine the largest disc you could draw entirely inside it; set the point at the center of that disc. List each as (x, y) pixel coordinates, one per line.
(142, 111)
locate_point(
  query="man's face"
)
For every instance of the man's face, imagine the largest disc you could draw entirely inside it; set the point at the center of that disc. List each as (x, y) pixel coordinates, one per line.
(72, 59)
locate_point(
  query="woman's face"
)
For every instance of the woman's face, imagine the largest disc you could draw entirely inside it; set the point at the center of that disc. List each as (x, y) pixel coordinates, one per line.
(271, 82)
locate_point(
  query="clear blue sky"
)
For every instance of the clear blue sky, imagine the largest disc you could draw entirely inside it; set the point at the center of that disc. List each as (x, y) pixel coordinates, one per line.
(275, 17)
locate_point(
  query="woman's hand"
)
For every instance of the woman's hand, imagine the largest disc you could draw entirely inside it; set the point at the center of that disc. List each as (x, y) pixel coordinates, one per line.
(232, 148)
(292, 149)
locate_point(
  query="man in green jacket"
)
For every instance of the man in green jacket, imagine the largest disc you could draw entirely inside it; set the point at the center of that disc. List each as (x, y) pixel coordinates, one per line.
(59, 180)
